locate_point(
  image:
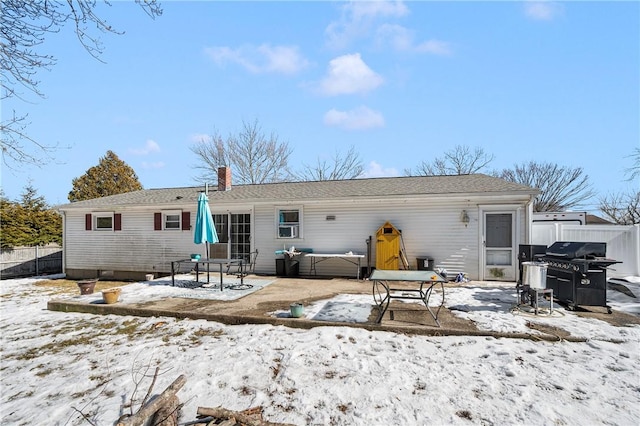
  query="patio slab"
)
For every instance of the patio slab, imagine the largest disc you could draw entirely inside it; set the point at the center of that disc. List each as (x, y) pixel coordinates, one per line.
(258, 308)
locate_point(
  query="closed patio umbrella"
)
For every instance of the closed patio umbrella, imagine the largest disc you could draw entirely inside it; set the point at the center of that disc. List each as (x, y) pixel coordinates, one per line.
(205, 231)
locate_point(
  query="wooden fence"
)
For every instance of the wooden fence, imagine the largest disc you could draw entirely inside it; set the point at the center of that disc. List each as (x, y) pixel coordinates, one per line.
(30, 261)
(623, 242)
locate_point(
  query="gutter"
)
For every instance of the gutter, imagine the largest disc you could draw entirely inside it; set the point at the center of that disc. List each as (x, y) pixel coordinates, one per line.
(64, 241)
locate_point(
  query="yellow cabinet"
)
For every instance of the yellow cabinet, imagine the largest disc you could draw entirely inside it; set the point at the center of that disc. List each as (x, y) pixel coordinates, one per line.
(388, 247)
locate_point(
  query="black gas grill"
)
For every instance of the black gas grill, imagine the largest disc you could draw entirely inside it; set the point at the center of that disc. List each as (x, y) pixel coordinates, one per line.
(577, 273)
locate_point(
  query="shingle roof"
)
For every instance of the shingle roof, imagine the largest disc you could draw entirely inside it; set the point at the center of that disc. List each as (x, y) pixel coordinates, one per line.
(318, 190)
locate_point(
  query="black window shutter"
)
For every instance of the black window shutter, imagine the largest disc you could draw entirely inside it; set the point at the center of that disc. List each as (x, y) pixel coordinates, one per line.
(157, 221)
(117, 222)
(87, 222)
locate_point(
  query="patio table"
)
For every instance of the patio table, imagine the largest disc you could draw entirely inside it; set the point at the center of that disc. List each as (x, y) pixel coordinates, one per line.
(175, 266)
(421, 285)
(349, 257)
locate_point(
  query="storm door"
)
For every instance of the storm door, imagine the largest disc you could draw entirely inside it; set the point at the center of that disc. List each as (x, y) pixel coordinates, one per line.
(499, 240)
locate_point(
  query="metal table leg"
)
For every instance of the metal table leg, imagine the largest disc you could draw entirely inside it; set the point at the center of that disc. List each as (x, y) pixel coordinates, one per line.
(312, 269)
(381, 295)
(427, 296)
(221, 286)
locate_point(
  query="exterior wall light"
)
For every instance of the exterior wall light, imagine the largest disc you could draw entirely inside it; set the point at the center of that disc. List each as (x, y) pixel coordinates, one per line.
(464, 217)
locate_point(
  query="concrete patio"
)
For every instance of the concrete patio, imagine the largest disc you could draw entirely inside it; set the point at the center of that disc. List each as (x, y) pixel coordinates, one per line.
(257, 308)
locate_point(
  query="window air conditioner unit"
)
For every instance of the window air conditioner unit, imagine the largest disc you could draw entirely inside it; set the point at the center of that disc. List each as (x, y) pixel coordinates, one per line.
(288, 232)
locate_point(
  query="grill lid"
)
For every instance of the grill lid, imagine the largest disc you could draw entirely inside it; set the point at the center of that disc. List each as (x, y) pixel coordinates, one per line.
(573, 250)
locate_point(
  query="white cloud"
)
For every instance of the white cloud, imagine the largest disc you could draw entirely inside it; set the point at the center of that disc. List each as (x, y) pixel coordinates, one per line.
(403, 40)
(358, 17)
(356, 119)
(260, 59)
(359, 10)
(349, 74)
(374, 169)
(156, 165)
(149, 147)
(399, 37)
(542, 10)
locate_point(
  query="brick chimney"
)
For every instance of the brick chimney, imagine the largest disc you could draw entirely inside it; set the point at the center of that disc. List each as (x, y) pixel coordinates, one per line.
(224, 178)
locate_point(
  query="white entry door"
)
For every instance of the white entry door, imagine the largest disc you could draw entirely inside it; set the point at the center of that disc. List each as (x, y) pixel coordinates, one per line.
(499, 246)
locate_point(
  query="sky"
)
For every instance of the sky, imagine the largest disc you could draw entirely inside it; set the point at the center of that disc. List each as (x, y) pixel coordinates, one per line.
(57, 365)
(401, 82)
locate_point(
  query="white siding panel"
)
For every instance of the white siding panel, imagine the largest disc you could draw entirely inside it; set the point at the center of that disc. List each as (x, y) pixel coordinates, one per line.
(263, 239)
(137, 247)
(429, 230)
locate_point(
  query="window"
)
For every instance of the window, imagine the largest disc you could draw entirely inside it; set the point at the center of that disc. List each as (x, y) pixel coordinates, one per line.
(289, 223)
(103, 221)
(499, 230)
(171, 219)
(222, 227)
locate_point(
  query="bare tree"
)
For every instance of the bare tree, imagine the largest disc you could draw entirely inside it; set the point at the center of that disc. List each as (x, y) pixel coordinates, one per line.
(461, 160)
(339, 167)
(561, 187)
(623, 209)
(24, 26)
(634, 170)
(252, 156)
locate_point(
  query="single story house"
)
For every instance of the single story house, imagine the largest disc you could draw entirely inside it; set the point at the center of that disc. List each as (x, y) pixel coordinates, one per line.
(465, 223)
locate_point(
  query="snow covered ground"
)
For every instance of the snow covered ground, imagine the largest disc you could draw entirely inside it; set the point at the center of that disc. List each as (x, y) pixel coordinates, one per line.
(57, 367)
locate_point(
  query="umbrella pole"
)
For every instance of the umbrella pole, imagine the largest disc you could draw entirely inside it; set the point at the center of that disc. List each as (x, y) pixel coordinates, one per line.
(207, 250)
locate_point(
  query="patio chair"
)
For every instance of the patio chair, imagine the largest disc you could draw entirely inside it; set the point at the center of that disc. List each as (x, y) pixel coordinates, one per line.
(247, 268)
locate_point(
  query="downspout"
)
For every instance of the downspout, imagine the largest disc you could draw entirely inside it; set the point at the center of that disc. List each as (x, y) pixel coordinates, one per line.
(64, 242)
(529, 219)
(637, 238)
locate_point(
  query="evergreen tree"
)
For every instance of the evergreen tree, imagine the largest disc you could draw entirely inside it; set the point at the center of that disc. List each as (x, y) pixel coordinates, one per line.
(12, 224)
(29, 222)
(110, 177)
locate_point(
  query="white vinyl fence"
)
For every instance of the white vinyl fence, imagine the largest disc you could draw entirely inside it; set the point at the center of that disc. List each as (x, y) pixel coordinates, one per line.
(623, 242)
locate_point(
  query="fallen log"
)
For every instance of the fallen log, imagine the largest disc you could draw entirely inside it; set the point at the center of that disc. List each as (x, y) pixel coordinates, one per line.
(150, 409)
(250, 417)
(167, 415)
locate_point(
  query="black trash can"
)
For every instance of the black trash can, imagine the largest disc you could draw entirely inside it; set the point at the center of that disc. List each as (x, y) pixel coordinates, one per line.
(425, 264)
(291, 268)
(287, 267)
